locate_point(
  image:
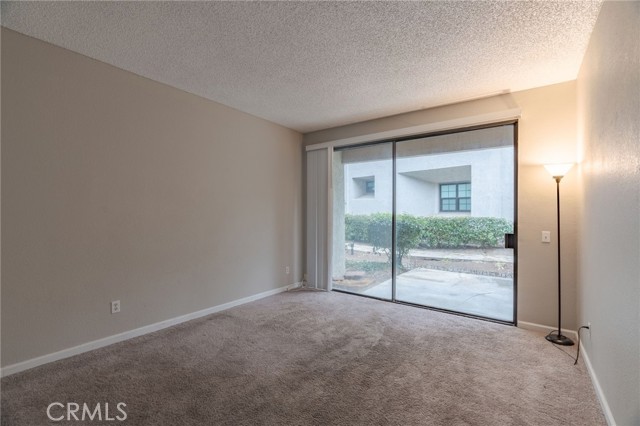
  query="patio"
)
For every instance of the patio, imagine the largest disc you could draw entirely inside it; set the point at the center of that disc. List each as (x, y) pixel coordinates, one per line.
(484, 296)
(472, 281)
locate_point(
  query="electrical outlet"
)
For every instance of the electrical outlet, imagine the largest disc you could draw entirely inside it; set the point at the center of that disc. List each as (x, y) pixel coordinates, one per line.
(287, 270)
(115, 306)
(546, 236)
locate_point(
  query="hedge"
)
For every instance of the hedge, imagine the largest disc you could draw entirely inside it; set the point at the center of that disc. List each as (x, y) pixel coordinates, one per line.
(408, 234)
(429, 232)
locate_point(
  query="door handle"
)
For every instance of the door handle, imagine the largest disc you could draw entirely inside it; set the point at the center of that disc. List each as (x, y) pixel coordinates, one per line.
(509, 241)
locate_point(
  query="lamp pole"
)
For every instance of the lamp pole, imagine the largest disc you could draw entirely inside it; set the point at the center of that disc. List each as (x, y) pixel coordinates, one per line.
(558, 178)
(558, 338)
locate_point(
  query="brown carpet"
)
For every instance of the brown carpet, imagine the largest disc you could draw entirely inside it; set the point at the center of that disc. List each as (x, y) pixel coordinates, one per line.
(303, 358)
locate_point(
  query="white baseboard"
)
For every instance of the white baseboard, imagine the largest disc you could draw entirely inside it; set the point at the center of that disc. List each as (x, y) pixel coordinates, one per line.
(294, 286)
(546, 329)
(608, 415)
(95, 344)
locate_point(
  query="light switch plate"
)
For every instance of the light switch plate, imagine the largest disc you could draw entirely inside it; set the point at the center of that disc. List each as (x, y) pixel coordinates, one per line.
(546, 236)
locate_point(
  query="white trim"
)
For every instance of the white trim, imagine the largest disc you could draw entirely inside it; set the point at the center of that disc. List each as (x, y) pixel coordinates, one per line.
(608, 415)
(95, 344)
(545, 328)
(295, 286)
(457, 123)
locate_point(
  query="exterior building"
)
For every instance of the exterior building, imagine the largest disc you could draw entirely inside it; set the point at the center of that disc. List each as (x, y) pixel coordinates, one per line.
(463, 183)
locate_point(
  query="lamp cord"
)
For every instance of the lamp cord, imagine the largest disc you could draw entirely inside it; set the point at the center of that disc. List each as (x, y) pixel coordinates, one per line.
(575, 361)
(578, 353)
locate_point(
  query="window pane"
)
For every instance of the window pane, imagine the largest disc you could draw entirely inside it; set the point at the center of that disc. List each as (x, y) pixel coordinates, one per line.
(448, 191)
(464, 190)
(465, 204)
(370, 186)
(449, 205)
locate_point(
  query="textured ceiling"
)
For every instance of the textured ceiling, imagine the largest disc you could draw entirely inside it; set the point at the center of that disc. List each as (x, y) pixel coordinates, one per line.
(314, 65)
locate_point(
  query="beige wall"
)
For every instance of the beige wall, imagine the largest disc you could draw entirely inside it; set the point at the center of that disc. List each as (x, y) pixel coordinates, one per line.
(118, 187)
(547, 133)
(609, 245)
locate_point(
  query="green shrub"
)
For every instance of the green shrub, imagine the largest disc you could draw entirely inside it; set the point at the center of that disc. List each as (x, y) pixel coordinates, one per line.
(357, 227)
(431, 231)
(460, 232)
(379, 231)
(375, 229)
(409, 233)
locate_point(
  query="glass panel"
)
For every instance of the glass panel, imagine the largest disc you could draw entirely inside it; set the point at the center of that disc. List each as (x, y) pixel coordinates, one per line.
(449, 205)
(464, 190)
(456, 260)
(361, 261)
(371, 187)
(448, 191)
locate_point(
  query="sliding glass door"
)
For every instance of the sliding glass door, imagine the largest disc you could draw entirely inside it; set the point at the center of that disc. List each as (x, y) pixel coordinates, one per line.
(426, 221)
(454, 205)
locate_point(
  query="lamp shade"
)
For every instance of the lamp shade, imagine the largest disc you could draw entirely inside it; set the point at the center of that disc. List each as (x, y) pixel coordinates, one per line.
(558, 170)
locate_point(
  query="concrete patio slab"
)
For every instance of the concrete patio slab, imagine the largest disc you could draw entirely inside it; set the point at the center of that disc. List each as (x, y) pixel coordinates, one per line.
(485, 296)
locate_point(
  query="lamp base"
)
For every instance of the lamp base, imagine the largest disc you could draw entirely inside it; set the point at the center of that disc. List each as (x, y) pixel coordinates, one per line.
(559, 339)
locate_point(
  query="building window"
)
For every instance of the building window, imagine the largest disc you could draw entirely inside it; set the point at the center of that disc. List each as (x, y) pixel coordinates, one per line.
(364, 187)
(455, 197)
(370, 187)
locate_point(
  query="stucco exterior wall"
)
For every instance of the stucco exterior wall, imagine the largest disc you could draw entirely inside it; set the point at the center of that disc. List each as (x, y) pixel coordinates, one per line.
(490, 172)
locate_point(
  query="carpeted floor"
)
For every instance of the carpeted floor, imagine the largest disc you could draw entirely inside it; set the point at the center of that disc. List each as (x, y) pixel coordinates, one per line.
(303, 358)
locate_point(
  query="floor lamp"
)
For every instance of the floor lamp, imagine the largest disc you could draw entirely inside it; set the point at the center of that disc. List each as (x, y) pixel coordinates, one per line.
(558, 171)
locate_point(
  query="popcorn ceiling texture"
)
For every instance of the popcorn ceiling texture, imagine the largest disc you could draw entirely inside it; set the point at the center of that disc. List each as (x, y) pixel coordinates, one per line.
(315, 65)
